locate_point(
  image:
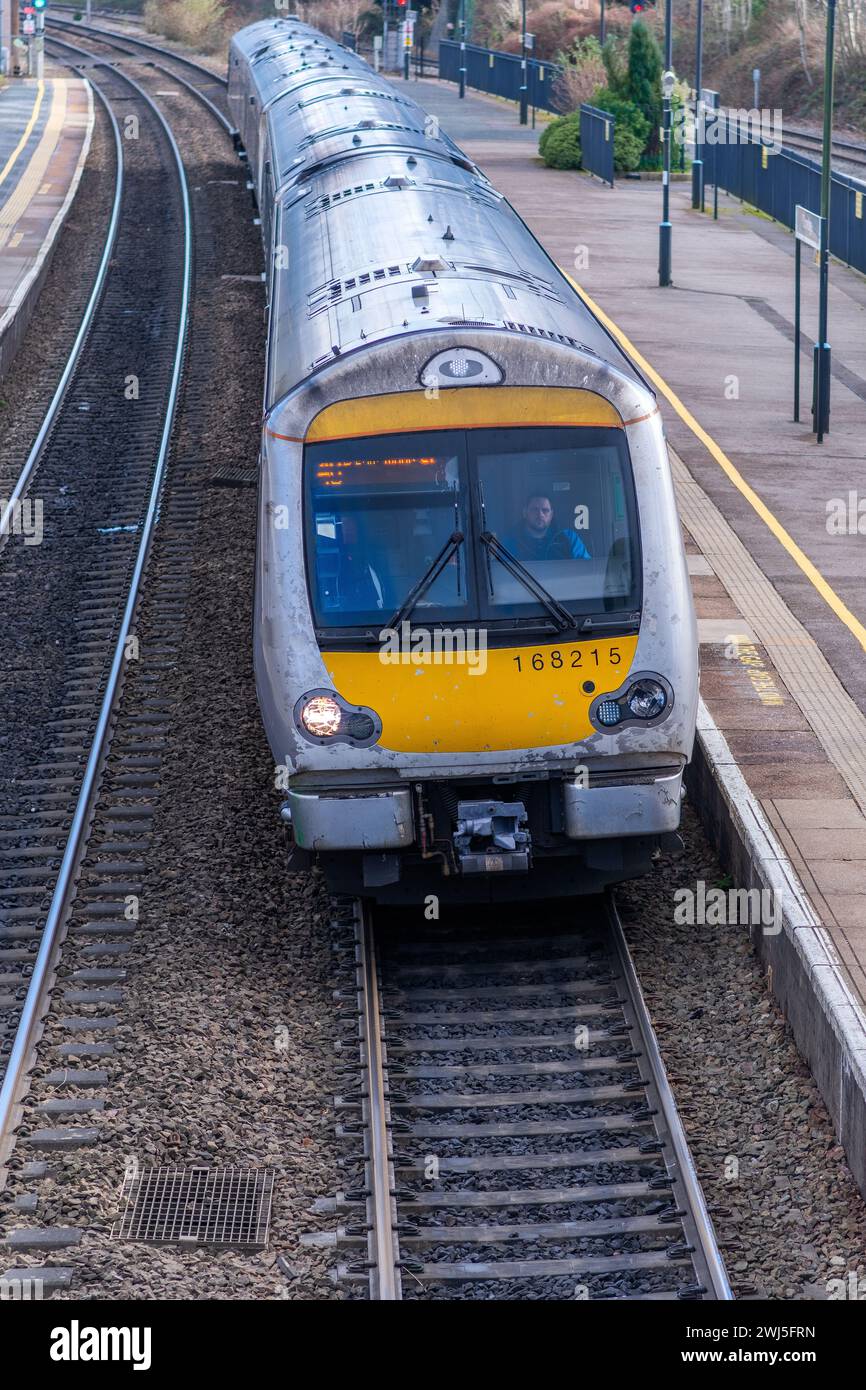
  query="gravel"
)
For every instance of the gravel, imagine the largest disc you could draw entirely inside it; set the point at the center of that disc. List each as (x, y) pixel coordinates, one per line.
(786, 1210)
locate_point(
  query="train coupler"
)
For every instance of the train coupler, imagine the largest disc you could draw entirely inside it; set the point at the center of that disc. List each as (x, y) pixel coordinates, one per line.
(492, 837)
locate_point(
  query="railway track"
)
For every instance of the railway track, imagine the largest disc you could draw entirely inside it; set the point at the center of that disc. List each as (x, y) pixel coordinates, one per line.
(208, 87)
(98, 464)
(845, 151)
(520, 1136)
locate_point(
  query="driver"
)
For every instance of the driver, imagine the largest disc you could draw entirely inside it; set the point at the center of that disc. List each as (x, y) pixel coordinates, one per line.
(537, 538)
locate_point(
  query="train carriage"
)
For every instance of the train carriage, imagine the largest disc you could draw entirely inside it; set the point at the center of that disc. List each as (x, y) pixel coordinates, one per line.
(475, 646)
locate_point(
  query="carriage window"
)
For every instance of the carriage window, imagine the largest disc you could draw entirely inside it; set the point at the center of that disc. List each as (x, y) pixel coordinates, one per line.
(378, 512)
(561, 503)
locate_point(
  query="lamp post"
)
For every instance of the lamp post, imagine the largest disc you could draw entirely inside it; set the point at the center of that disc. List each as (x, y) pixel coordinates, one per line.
(697, 162)
(667, 93)
(462, 48)
(523, 86)
(821, 387)
(601, 33)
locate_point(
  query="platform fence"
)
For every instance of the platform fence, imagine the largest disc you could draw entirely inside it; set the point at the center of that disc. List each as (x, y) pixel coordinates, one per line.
(499, 74)
(775, 179)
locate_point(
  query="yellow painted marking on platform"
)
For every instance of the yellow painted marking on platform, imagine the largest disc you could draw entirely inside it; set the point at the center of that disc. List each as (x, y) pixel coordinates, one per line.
(40, 92)
(16, 240)
(785, 539)
(45, 187)
(20, 198)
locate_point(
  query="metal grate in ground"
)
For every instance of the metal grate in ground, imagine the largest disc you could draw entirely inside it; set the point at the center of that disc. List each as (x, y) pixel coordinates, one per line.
(196, 1206)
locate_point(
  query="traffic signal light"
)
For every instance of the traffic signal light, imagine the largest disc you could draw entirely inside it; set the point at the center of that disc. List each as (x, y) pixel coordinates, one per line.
(39, 4)
(638, 6)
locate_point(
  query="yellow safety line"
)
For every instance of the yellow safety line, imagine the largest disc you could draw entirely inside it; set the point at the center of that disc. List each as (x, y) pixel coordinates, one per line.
(40, 92)
(20, 198)
(785, 539)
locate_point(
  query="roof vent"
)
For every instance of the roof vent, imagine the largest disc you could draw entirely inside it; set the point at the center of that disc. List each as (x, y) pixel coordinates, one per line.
(429, 263)
(398, 181)
(367, 124)
(448, 235)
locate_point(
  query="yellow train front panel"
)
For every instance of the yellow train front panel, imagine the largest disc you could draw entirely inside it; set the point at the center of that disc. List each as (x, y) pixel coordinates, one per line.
(482, 699)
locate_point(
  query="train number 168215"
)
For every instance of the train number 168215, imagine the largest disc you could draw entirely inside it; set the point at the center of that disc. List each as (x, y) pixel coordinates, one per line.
(554, 659)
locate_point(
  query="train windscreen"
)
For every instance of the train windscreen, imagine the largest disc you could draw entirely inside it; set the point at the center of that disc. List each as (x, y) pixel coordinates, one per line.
(497, 525)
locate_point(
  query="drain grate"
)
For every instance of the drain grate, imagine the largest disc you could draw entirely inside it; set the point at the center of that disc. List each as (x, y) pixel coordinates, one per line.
(227, 476)
(196, 1206)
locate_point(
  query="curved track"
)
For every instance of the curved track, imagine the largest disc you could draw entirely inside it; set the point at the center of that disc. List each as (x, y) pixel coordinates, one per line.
(520, 1135)
(99, 464)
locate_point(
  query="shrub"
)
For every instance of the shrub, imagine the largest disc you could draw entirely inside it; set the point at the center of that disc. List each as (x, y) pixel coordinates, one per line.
(625, 113)
(644, 85)
(627, 149)
(559, 145)
(198, 23)
(582, 71)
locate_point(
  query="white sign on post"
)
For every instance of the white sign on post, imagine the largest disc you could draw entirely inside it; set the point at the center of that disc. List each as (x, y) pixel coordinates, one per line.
(807, 226)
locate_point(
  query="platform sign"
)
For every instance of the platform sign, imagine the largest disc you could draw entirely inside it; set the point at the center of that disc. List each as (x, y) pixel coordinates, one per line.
(807, 226)
(28, 25)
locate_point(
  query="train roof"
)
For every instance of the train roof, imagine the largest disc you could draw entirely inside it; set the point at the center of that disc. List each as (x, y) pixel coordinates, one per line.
(389, 228)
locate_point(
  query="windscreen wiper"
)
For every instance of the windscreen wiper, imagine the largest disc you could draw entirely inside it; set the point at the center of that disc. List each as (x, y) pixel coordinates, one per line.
(430, 575)
(564, 620)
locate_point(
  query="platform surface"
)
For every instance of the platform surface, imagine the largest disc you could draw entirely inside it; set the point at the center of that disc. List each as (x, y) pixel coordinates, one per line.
(45, 130)
(780, 596)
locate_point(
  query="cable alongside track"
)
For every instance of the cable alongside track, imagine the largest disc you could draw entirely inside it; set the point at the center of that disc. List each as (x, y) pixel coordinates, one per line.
(520, 1135)
(100, 465)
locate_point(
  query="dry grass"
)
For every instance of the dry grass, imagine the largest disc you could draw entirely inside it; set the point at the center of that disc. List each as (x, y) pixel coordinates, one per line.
(202, 24)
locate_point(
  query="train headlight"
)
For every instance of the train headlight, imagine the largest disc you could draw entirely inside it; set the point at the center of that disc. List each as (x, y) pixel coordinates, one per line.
(646, 699)
(321, 716)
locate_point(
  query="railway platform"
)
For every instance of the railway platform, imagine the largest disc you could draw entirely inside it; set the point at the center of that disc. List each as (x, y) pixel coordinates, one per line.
(45, 133)
(774, 527)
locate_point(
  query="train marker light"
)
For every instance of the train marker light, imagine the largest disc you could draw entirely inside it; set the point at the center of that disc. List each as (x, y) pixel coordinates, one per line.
(608, 712)
(459, 366)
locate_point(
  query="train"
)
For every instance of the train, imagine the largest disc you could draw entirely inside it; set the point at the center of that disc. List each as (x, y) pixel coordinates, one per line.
(475, 646)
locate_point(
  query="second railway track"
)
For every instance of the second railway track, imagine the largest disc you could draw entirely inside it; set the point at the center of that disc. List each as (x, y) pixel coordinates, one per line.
(520, 1137)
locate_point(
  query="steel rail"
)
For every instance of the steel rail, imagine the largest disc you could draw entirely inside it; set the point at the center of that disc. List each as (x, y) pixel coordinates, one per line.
(45, 428)
(160, 67)
(683, 1161)
(143, 43)
(381, 1161)
(385, 1285)
(34, 1003)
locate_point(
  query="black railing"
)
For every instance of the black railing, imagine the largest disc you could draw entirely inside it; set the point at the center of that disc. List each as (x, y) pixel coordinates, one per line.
(500, 74)
(596, 141)
(775, 179)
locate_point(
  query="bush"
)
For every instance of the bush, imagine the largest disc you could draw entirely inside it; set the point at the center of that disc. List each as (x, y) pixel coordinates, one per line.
(628, 117)
(627, 149)
(559, 145)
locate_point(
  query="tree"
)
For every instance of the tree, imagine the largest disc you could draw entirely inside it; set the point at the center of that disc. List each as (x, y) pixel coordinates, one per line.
(645, 81)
